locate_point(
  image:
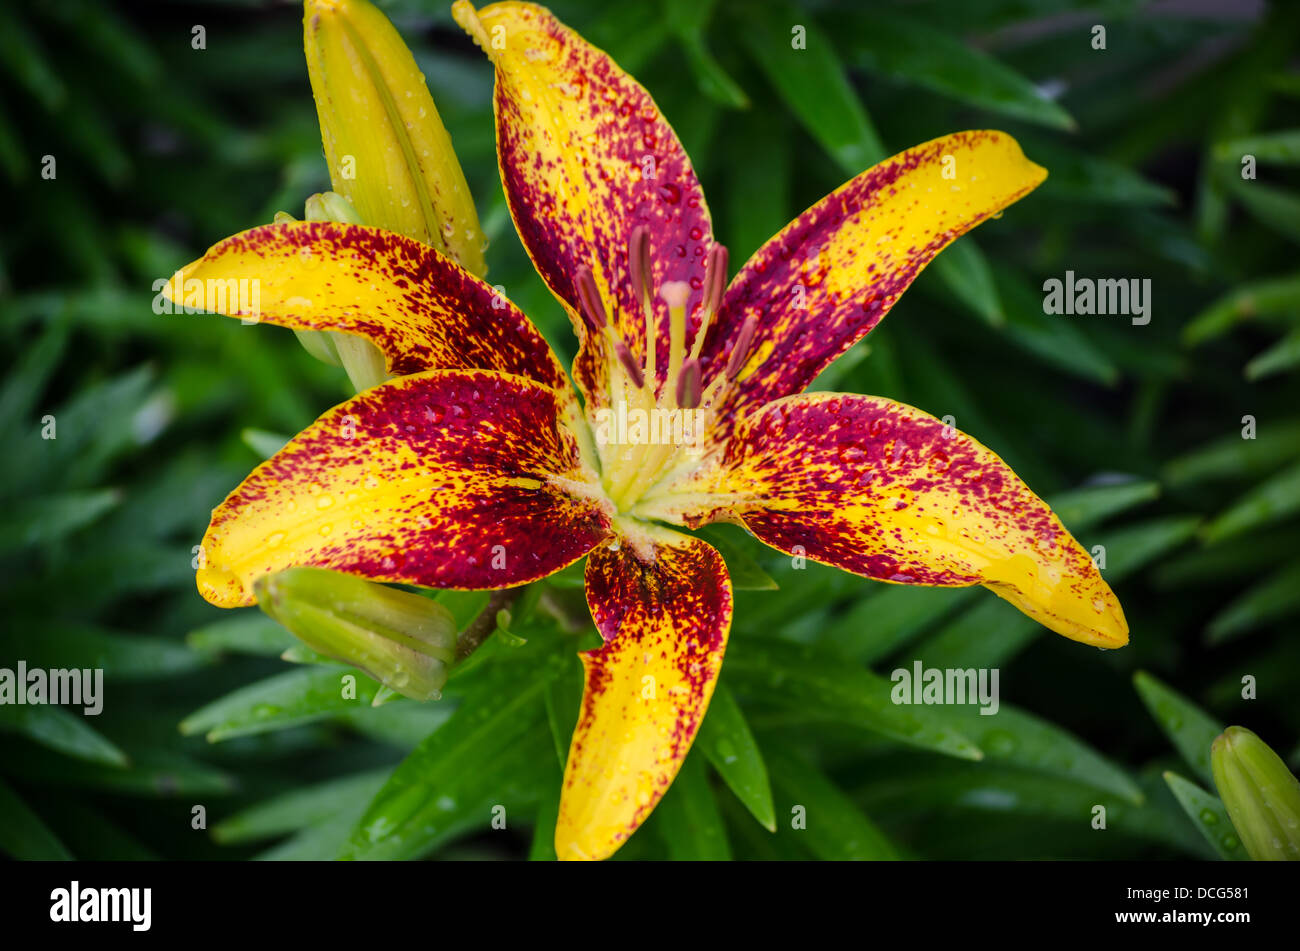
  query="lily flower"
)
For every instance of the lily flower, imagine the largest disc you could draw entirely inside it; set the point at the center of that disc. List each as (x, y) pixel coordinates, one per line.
(477, 467)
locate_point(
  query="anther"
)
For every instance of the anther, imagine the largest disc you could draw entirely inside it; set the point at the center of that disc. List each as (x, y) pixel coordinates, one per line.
(625, 357)
(638, 262)
(688, 385)
(740, 352)
(715, 278)
(589, 298)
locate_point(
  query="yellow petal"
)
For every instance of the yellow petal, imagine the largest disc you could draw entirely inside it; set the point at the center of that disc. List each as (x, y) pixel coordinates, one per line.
(886, 491)
(662, 602)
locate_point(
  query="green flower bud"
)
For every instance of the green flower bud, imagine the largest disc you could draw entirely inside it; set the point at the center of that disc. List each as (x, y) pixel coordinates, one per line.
(385, 143)
(405, 641)
(1260, 794)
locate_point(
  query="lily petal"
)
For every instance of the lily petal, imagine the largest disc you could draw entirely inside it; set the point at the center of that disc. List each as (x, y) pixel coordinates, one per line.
(886, 491)
(421, 309)
(448, 478)
(586, 157)
(831, 274)
(663, 605)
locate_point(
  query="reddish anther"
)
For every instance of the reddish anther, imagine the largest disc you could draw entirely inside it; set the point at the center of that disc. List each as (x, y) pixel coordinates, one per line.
(593, 310)
(740, 352)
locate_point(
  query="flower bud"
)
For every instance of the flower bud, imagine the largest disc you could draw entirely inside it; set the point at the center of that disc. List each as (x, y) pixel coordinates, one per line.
(405, 641)
(1260, 794)
(388, 152)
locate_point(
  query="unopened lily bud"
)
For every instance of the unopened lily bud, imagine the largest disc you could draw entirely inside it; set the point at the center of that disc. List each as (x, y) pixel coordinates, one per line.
(405, 641)
(387, 149)
(1261, 795)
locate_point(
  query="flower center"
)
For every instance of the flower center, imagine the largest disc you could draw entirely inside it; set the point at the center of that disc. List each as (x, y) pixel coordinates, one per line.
(654, 428)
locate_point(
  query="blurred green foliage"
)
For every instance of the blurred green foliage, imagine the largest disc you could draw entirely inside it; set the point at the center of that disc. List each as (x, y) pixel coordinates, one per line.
(1133, 432)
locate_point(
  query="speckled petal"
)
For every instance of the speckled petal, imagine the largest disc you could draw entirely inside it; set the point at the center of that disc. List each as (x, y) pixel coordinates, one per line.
(424, 311)
(662, 602)
(448, 478)
(886, 491)
(586, 156)
(831, 274)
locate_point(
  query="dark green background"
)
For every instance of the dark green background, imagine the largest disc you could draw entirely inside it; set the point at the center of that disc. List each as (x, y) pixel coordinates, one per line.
(162, 150)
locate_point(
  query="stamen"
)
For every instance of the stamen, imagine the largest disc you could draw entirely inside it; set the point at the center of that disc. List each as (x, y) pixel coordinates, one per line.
(715, 282)
(625, 357)
(740, 352)
(688, 385)
(593, 309)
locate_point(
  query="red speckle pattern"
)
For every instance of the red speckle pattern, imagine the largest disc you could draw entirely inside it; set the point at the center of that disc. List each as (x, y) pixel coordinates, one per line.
(586, 156)
(826, 280)
(444, 479)
(420, 308)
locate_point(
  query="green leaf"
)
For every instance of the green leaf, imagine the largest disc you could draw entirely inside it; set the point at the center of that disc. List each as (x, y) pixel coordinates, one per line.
(1274, 207)
(23, 836)
(1018, 738)
(1275, 597)
(1247, 302)
(246, 631)
(798, 676)
(688, 817)
(899, 47)
(836, 829)
(744, 571)
(280, 702)
(496, 734)
(689, 19)
(300, 808)
(1056, 341)
(1081, 509)
(122, 657)
(1208, 815)
(1270, 501)
(61, 731)
(265, 444)
(1189, 728)
(726, 740)
(542, 848)
(1234, 457)
(152, 773)
(1078, 177)
(919, 795)
(1279, 148)
(1278, 358)
(43, 521)
(563, 700)
(812, 83)
(963, 267)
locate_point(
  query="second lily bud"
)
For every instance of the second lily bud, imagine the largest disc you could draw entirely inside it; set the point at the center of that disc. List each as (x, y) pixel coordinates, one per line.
(1261, 795)
(405, 641)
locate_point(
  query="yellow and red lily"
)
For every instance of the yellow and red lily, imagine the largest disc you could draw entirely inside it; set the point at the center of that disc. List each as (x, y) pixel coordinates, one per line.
(478, 468)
